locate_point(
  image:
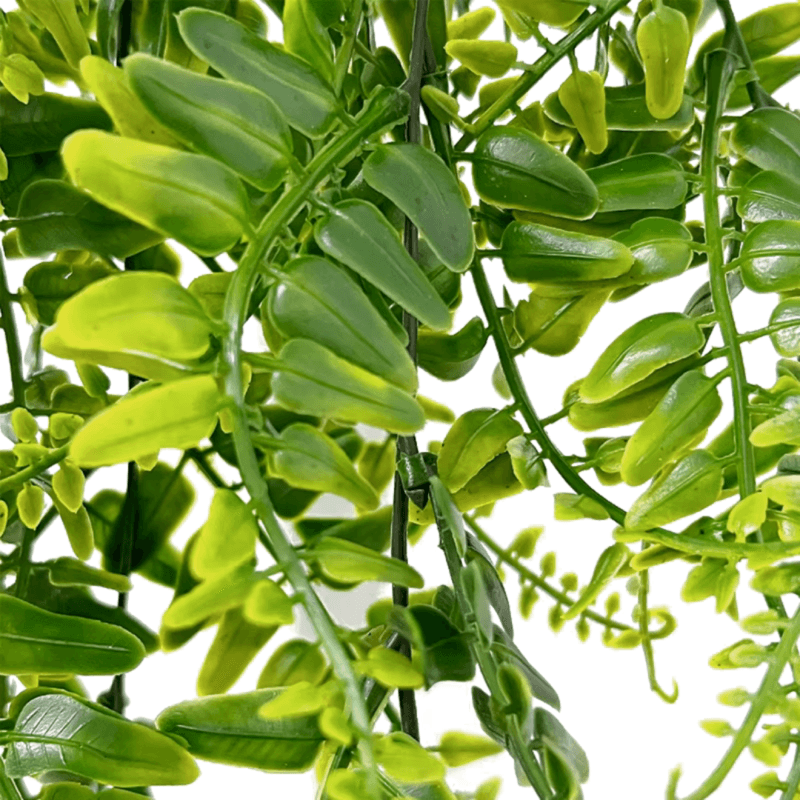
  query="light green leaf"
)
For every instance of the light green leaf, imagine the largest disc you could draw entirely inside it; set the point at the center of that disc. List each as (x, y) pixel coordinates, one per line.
(178, 414)
(346, 561)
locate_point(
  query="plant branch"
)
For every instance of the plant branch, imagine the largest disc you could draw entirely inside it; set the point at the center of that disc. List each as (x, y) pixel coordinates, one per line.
(12, 337)
(34, 470)
(387, 108)
(537, 580)
(777, 662)
(563, 47)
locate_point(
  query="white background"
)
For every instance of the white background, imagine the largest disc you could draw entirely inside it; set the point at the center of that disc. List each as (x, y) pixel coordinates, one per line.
(633, 739)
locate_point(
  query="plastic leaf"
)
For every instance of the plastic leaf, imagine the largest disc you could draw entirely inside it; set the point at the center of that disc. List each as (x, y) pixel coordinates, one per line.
(483, 57)
(583, 96)
(391, 669)
(292, 662)
(92, 742)
(426, 191)
(457, 749)
(226, 540)
(188, 197)
(607, 566)
(347, 561)
(405, 760)
(357, 234)
(178, 414)
(268, 605)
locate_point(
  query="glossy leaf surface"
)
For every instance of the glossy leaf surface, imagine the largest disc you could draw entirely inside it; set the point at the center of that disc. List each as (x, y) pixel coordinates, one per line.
(516, 169)
(357, 234)
(771, 257)
(188, 197)
(426, 191)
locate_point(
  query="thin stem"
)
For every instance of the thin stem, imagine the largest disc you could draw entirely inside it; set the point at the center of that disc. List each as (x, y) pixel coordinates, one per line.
(537, 580)
(408, 444)
(793, 778)
(647, 643)
(34, 470)
(758, 97)
(12, 337)
(386, 109)
(523, 402)
(777, 662)
(345, 54)
(563, 47)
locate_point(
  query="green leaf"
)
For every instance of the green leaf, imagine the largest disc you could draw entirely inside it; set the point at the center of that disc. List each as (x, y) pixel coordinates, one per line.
(427, 192)
(449, 357)
(662, 249)
(405, 760)
(779, 429)
(565, 762)
(664, 39)
(775, 581)
(608, 565)
(22, 77)
(516, 169)
(769, 137)
(56, 216)
(358, 235)
(311, 379)
(191, 198)
(748, 515)
(236, 644)
(472, 24)
(309, 459)
(538, 254)
(178, 414)
(371, 530)
(212, 596)
(483, 57)
(226, 540)
(639, 351)
(239, 55)
(552, 320)
(773, 73)
(504, 649)
(770, 256)
(626, 110)
(52, 282)
(527, 463)
(351, 562)
(231, 122)
(472, 442)
(448, 517)
(645, 182)
(143, 313)
(305, 36)
(391, 669)
(769, 196)
(60, 19)
(35, 641)
(293, 662)
(59, 732)
(569, 506)
(684, 413)
(688, 486)
(583, 97)
(65, 571)
(314, 299)
(786, 341)
(784, 490)
(457, 749)
(109, 84)
(228, 730)
(40, 125)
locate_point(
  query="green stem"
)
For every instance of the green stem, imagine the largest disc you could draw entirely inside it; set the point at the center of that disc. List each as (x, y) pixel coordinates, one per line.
(647, 643)
(563, 47)
(517, 744)
(345, 54)
(408, 444)
(537, 580)
(777, 661)
(33, 470)
(12, 338)
(793, 778)
(520, 395)
(387, 108)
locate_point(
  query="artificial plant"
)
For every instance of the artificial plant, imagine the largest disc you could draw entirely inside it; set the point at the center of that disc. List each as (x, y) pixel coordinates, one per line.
(338, 193)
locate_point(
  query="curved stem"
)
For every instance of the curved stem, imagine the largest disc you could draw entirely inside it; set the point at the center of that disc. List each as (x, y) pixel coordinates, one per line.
(777, 661)
(533, 74)
(647, 643)
(387, 108)
(793, 778)
(537, 580)
(520, 395)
